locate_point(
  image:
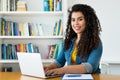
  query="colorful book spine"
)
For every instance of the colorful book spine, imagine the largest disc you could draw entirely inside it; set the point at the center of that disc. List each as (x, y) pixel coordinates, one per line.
(46, 5)
(4, 51)
(51, 5)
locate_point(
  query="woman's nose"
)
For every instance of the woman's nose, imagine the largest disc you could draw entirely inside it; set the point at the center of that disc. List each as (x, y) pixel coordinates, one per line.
(76, 21)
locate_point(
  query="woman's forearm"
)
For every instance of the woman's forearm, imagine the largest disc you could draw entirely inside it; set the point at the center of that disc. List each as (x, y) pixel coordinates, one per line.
(75, 69)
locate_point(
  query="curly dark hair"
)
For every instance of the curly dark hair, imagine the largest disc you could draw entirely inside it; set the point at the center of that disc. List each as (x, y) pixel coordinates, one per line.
(90, 37)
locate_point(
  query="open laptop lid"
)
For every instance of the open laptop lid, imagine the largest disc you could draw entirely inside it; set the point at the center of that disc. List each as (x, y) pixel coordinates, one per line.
(31, 64)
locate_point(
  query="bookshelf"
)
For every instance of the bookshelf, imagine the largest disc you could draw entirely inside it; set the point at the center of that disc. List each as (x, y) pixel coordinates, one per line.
(35, 14)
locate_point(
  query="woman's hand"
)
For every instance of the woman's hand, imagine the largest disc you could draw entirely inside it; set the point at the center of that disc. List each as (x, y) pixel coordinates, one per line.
(46, 68)
(49, 67)
(57, 71)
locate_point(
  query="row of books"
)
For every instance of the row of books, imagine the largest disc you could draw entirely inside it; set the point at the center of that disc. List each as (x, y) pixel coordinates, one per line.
(9, 51)
(52, 5)
(13, 5)
(10, 28)
(54, 51)
(58, 28)
(6, 69)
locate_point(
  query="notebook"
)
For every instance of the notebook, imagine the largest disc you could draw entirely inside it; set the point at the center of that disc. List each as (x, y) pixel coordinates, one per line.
(31, 64)
(77, 77)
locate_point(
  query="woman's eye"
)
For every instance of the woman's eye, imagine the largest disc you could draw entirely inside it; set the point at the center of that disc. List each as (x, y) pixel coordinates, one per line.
(80, 19)
(73, 20)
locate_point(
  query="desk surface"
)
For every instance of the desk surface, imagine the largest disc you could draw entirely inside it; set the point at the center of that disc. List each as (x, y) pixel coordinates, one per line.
(18, 76)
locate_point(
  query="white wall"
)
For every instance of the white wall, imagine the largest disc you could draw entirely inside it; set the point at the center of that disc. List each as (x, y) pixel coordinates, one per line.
(109, 15)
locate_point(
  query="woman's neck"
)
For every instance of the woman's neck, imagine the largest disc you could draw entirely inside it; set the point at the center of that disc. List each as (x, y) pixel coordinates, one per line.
(77, 39)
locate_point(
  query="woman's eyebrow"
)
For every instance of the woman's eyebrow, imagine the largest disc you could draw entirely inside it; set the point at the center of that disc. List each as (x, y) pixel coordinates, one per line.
(78, 17)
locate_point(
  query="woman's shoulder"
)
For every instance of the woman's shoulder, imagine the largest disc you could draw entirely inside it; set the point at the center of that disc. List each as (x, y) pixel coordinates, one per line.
(100, 46)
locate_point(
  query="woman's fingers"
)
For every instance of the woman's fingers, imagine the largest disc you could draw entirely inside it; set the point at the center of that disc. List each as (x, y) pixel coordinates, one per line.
(49, 72)
(53, 72)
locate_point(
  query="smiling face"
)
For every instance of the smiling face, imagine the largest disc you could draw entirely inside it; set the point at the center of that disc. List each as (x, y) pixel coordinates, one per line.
(78, 22)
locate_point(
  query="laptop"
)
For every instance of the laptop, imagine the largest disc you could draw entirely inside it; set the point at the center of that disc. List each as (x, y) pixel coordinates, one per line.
(31, 65)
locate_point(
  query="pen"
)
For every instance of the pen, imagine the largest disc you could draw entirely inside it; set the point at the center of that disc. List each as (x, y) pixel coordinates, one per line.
(74, 75)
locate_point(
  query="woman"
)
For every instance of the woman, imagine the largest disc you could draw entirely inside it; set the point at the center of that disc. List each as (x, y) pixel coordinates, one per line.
(82, 47)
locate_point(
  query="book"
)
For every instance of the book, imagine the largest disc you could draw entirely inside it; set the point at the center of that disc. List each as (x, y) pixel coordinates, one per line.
(46, 5)
(77, 77)
(6, 69)
(40, 29)
(21, 6)
(3, 48)
(51, 5)
(60, 47)
(52, 51)
(1, 26)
